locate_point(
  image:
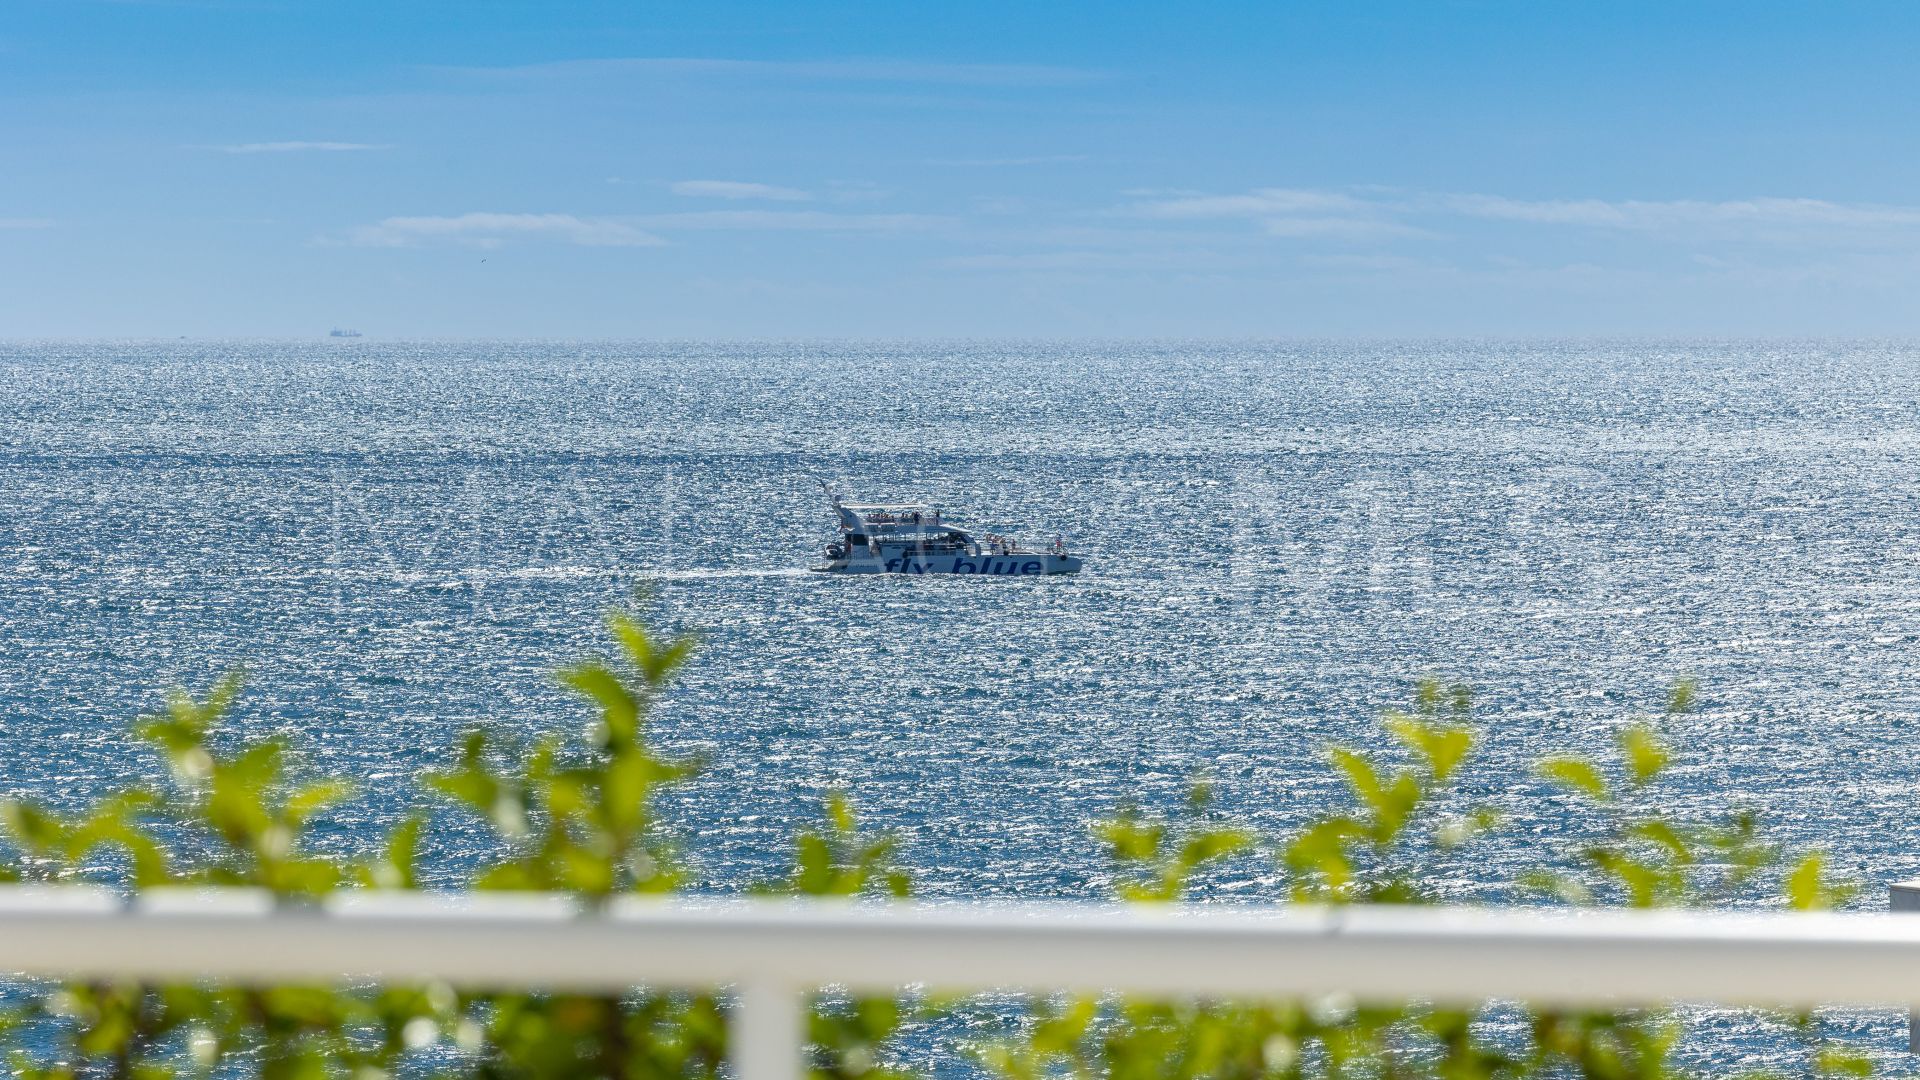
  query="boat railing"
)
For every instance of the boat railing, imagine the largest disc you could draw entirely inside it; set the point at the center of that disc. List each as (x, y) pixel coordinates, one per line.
(772, 955)
(1016, 547)
(979, 545)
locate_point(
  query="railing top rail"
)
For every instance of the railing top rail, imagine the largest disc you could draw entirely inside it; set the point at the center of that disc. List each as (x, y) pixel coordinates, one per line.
(1550, 956)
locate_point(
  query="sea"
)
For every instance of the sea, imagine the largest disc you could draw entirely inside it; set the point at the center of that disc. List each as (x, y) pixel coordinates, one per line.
(399, 542)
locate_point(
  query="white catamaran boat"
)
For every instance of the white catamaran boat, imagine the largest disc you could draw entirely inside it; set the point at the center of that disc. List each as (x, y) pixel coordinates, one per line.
(910, 538)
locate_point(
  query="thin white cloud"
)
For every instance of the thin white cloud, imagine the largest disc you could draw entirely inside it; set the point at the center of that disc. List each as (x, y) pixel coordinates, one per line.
(806, 220)
(1288, 212)
(1640, 214)
(298, 146)
(851, 70)
(26, 223)
(1375, 263)
(636, 230)
(1093, 261)
(487, 229)
(1340, 228)
(1376, 215)
(737, 189)
(1260, 203)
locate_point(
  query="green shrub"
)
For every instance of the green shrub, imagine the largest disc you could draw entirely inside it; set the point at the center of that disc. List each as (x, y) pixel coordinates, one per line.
(578, 815)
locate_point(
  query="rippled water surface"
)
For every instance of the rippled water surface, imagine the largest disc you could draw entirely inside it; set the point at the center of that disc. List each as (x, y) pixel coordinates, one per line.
(401, 541)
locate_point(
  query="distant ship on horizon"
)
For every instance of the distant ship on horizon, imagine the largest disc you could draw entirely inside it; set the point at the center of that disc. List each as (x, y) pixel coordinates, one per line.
(337, 332)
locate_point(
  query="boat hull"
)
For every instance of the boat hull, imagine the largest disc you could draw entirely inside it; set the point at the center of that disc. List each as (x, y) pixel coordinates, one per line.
(940, 564)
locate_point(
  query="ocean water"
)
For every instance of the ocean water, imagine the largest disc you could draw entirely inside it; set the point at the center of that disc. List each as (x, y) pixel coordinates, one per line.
(401, 541)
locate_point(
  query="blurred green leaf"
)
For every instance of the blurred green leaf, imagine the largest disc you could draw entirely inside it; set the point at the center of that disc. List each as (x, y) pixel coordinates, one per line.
(1441, 747)
(1680, 698)
(1577, 774)
(620, 709)
(1646, 755)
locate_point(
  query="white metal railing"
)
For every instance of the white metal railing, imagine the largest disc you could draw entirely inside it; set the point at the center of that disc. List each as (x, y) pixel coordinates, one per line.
(772, 952)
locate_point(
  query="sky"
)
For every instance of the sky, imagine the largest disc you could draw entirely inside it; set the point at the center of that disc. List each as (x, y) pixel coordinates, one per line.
(597, 169)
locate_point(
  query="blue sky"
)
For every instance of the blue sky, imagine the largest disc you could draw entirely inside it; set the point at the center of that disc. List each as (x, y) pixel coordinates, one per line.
(599, 169)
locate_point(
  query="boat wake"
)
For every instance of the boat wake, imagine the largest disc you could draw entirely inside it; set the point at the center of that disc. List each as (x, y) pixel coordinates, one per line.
(641, 573)
(702, 575)
(449, 578)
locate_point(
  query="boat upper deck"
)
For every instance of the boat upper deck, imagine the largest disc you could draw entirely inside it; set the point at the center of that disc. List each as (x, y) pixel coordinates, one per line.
(920, 525)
